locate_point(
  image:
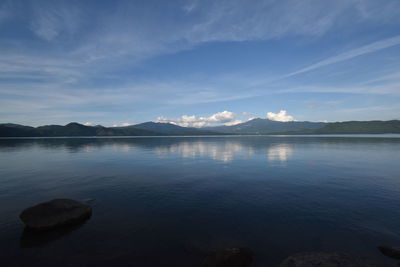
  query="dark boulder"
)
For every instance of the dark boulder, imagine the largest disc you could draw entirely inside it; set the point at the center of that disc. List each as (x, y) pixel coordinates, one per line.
(55, 213)
(393, 252)
(229, 257)
(322, 259)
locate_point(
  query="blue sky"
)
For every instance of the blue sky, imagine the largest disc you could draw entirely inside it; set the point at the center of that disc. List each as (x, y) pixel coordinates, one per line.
(198, 63)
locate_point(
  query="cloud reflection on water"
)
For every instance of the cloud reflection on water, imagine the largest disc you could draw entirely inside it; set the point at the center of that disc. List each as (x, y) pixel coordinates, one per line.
(227, 151)
(224, 150)
(280, 152)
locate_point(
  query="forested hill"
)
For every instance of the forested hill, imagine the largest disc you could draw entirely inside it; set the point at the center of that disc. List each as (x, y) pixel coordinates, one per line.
(360, 127)
(256, 126)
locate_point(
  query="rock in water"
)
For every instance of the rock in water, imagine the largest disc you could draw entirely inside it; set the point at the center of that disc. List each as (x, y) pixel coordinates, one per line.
(230, 257)
(393, 252)
(55, 213)
(322, 259)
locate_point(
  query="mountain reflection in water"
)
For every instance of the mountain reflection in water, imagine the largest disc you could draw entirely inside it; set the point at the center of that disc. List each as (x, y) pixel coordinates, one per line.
(224, 150)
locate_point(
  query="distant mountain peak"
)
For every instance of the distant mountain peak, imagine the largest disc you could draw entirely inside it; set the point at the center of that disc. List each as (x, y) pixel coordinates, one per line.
(74, 124)
(11, 124)
(267, 126)
(170, 129)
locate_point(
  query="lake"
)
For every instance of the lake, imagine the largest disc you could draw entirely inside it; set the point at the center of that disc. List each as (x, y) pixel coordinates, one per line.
(167, 201)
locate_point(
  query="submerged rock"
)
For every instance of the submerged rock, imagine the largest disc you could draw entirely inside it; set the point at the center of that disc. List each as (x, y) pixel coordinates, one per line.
(230, 257)
(32, 238)
(393, 252)
(55, 213)
(322, 259)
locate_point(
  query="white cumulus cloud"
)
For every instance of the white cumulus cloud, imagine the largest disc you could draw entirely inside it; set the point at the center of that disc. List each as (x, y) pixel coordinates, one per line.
(281, 116)
(224, 117)
(124, 124)
(233, 122)
(238, 121)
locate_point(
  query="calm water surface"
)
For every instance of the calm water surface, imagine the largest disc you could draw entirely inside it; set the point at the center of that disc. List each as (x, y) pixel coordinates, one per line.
(167, 201)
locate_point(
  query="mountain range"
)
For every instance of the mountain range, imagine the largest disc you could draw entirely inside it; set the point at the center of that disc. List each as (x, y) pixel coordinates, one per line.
(256, 126)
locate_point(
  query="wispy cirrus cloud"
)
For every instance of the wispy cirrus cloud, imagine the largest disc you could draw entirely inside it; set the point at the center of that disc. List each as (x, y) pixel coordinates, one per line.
(128, 56)
(363, 50)
(382, 89)
(117, 39)
(55, 20)
(118, 34)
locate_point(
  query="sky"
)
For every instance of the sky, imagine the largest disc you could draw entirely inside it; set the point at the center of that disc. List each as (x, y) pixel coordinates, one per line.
(198, 63)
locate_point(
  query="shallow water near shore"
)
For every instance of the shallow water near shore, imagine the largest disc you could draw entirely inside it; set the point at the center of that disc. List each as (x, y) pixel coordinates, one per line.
(167, 201)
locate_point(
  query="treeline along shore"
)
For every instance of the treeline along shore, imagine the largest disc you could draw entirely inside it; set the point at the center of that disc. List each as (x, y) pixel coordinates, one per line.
(252, 127)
